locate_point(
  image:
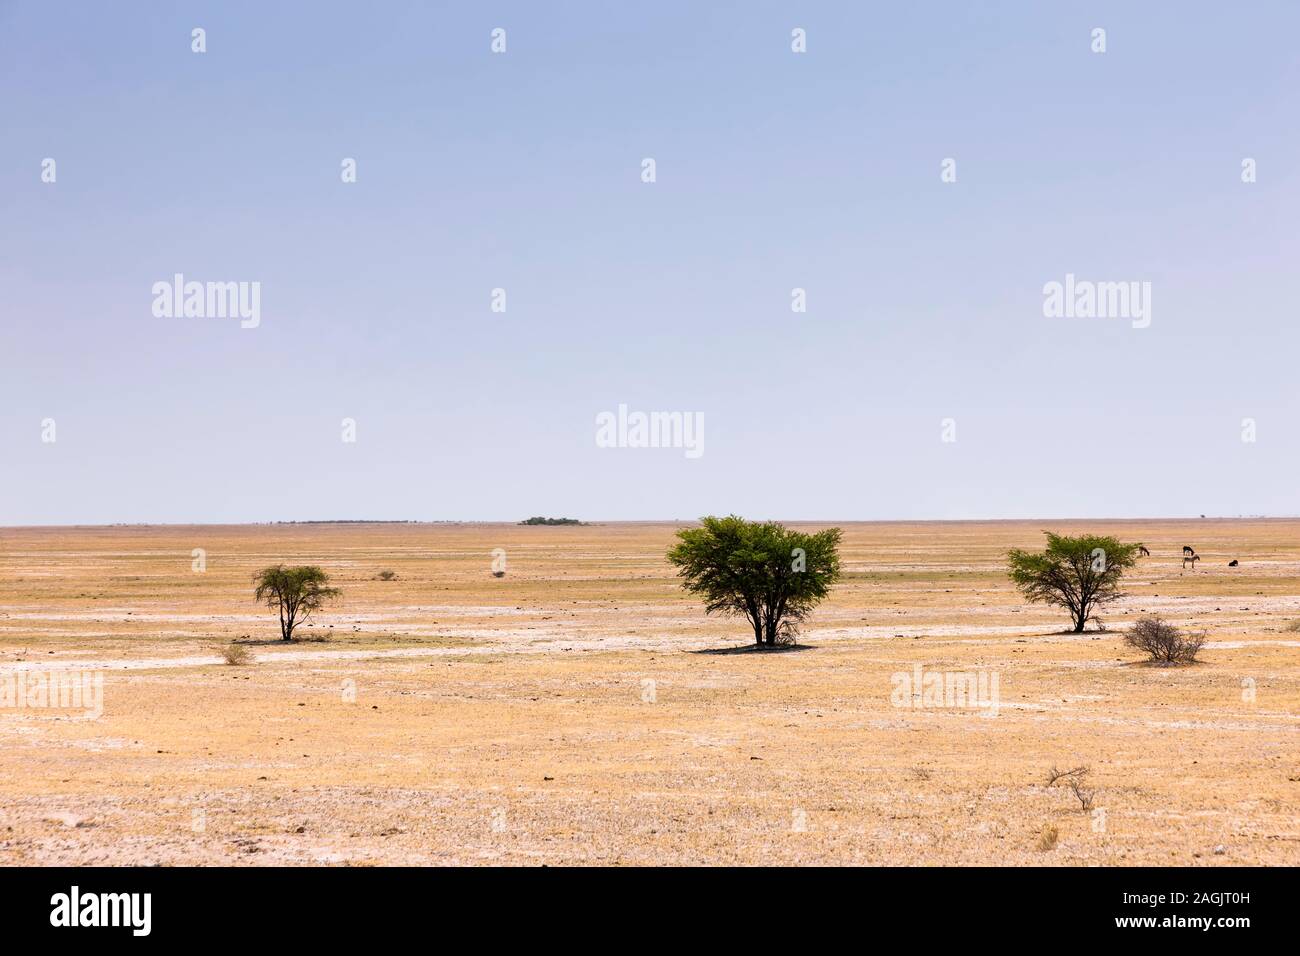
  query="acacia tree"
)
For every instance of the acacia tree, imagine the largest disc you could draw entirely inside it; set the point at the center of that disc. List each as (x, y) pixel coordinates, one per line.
(1079, 574)
(295, 592)
(764, 572)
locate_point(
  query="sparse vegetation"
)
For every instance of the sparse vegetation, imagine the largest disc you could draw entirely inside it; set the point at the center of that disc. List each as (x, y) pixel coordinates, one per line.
(912, 787)
(1079, 574)
(771, 576)
(387, 575)
(1293, 626)
(1047, 838)
(1165, 643)
(294, 592)
(1076, 779)
(552, 521)
(236, 655)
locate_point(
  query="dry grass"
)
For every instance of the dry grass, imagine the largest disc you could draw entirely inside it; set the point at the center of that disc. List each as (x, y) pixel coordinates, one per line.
(576, 711)
(236, 654)
(1047, 838)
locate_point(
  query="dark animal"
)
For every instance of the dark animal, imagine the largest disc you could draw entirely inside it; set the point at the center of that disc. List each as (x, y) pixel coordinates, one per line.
(1232, 563)
(1142, 550)
(498, 574)
(1187, 550)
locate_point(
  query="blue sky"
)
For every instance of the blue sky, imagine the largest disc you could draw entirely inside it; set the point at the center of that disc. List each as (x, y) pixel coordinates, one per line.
(522, 171)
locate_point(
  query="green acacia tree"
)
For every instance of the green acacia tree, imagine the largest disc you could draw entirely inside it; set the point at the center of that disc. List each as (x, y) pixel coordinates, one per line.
(295, 592)
(1079, 574)
(764, 572)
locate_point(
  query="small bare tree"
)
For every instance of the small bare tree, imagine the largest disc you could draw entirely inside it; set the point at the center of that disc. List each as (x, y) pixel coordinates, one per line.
(1076, 779)
(1165, 643)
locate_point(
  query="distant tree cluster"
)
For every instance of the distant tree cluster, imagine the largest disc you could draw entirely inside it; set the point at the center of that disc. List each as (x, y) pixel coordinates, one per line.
(548, 521)
(353, 521)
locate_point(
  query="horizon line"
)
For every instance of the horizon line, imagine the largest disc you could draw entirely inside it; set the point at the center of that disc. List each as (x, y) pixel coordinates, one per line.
(624, 521)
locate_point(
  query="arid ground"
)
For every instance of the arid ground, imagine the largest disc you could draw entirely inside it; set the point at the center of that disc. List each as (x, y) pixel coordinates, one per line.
(583, 710)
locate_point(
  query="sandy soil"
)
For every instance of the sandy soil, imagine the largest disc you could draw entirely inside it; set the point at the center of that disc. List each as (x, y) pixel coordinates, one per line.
(582, 709)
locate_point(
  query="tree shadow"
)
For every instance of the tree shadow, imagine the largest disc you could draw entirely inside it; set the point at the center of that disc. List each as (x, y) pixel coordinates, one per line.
(754, 649)
(281, 642)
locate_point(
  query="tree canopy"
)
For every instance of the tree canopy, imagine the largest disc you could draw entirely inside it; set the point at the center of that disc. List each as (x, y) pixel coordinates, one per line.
(764, 572)
(1079, 574)
(295, 592)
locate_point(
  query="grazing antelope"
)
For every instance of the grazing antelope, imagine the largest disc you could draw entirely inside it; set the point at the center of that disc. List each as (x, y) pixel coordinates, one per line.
(1232, 563)
(1193, 557)
(1142, 550)
(1187, 550)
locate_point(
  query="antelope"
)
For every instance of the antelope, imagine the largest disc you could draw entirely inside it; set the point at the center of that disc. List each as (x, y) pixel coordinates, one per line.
(1187, 550)
(1193, 557)
(1142, 550)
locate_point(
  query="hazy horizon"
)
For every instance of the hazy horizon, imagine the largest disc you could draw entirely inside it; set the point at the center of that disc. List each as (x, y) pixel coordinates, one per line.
(592, 522)
(931, 376)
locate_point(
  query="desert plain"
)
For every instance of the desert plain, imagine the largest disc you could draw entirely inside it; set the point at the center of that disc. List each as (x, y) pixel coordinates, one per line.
(582, 709)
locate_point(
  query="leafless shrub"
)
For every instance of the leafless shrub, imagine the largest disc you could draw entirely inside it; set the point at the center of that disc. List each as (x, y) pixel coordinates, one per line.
(1054, 775)
(1082, 794)
(921, 773)
(236, 655)
(1076, 779)
(387, 575)
(1165, 643)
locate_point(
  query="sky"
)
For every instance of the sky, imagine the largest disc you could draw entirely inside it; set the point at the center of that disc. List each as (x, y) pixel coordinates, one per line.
(924, 380)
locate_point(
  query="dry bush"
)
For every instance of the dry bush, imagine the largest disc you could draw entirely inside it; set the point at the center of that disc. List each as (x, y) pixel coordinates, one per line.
(1076, 779)
(1054, 775)
(1165, 643)
(1047, 839)
(1293, 626)
(236, 654)
(387, 575)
